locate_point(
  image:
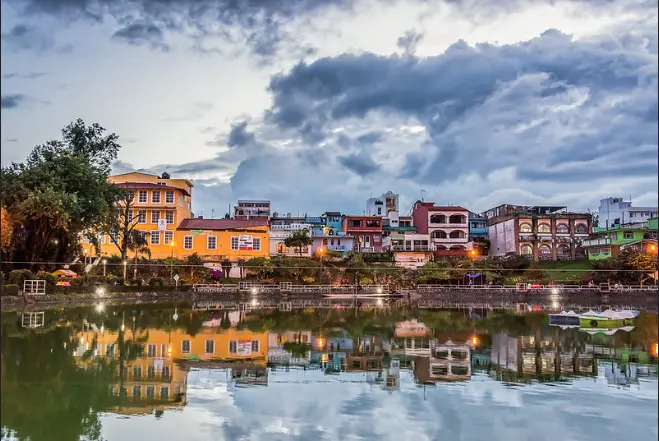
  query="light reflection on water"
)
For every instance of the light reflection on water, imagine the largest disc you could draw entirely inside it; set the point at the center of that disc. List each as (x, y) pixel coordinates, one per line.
(359, 376)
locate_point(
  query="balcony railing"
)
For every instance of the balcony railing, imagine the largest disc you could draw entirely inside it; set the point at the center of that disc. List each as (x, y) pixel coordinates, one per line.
(449, 225)
(410, 248)
(450, 239)
(594, 242)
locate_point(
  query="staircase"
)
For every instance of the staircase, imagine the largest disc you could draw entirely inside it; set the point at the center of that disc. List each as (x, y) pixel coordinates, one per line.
(93, 264)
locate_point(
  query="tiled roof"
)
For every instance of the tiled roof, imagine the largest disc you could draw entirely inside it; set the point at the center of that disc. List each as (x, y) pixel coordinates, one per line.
(447, 208)
(220, 224)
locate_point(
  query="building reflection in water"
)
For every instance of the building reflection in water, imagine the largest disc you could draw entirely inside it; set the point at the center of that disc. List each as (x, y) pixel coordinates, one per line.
(153, 376)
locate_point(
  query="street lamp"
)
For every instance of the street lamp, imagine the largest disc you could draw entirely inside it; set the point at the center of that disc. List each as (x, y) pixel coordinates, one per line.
(105, 265)
(125, 263)
(85, 251)
(321, 251)
(171, 265)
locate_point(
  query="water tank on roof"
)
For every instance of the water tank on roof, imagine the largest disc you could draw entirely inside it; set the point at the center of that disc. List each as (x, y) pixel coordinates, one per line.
(275, 214)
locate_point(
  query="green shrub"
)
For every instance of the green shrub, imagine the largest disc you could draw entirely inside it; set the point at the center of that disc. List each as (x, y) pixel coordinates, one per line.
(93, 280)
(9, 290)
(51, 280)
(17, 277)
(78, 281)
(156, 281)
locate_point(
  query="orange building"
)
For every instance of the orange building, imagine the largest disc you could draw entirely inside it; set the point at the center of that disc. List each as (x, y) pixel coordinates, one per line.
(160, 205)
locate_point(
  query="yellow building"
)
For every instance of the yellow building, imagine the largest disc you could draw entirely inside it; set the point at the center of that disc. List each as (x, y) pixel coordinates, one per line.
(219, 239)
(160, 204)
(158, 378)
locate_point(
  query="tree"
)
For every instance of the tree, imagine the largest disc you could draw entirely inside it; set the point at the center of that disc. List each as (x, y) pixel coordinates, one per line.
(634, 266)
(119, 223)
(436, 271)
(60, 191)
(299, 239)
(534, 273)
(7, 229)
(260, 266)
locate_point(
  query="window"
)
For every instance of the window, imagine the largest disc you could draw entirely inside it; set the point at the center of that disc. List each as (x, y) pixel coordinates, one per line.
(562, 229)
(130, 216)
(101, 238)
(155, 237)
(233, 346)
(629, 235)
(114, 237)
(137, 392)
(373, 223)
(255, 346)
(525, 228)
(379, 210)
(187, 242)
(165, 372)
(376, 239)
(155, 197)
(544, 228)
(141, 216)
(151, 350)
(234, 242)
(155, 216)
(211, 242)
(169, 237)
(169, 215)
(163, 350)
(185, 346)
(582, 229)
(137, 371)
(151, 372)
(210, 346)
(169, 197)
(256, 244)
(164, 393)
(142, 197)
(150, 392)
(109, 351)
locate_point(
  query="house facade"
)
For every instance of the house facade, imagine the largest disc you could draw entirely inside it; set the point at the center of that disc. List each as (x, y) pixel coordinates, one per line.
(614, 211)
(538, 232)
(608, 242)
(367, 232)
(447, 226)
(220, 239)
(278, 234)
(252, 210)
(342, 243)
(478, 233)
(159, 205)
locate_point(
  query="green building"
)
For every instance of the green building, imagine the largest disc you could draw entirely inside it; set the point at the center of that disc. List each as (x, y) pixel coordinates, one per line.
(608, 242)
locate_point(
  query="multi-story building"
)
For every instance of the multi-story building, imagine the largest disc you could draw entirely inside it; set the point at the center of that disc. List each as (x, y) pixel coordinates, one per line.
(539, 232)
(447, 226)
(478, 233)
(618, 211)
(367, 231)
(159, 204)
(608, 242)
(382, 205)
(328, 223)
(220, 239)
(341, 243)
(286, 219)
(252, 210)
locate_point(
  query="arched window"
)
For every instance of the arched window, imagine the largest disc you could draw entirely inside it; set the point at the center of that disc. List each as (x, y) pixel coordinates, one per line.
(282, 248)
(526, 250)
(544, 228)
(438, 234)
(457, 234)
(457, 219)
(581, 229)
(437, 219)
(545, 250)
(525, 228)
(562, 229)
(563, 250)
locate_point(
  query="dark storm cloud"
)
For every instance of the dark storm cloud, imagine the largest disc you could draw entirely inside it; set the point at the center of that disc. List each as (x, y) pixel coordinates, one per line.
(11, 101)
(239, 136)
(139, 34)
(359, 164)
(444, 91)
(258, 23)
(25, 37)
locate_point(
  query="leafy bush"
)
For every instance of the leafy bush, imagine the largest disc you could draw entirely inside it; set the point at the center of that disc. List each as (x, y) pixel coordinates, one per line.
(156, 281)
(48, 277)
(17, 277)
(9, 290)
(78, 281)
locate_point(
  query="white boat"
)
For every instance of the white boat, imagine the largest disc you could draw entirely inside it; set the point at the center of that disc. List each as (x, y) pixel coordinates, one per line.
(564, 318)
(605, 331)
(608, 319)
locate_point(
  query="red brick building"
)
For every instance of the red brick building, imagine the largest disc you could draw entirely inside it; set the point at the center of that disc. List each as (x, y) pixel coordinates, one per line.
(367, 231)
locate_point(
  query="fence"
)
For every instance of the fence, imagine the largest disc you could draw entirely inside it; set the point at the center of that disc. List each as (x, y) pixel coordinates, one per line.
(34, 287)
(288, 288)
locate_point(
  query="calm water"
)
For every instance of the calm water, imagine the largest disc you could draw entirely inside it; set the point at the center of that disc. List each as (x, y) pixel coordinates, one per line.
(146, 372)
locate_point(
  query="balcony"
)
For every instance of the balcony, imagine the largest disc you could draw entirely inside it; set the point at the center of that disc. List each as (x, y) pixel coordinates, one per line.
(450, 239)
(448, 225)
(596, 242)
(410, 248)
(339, 248)
(527, 238)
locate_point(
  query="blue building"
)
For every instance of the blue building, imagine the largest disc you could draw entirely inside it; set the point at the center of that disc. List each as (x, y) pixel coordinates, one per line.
(478, 232)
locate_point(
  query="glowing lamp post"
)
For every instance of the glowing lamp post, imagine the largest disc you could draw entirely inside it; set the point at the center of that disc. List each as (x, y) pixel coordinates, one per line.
(171, 266)
(105, 266)
(125, 266)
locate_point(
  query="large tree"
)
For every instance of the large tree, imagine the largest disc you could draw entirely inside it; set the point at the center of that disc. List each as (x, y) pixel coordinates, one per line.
(120, 224)
(59, 192)
(299, 239)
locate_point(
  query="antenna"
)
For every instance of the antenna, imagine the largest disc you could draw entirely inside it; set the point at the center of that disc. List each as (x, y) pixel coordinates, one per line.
(423, 192)
(213, 213)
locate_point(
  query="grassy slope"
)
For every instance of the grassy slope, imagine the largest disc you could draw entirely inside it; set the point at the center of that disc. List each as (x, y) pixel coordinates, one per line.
(561, 270)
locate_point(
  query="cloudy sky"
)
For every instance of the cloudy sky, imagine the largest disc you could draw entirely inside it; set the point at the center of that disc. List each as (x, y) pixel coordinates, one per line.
(319, 104)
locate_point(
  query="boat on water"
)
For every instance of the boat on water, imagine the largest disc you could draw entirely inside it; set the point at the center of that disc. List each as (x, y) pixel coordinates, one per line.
(357, 296)
(566, 318)
(606, 331)
(608, 319)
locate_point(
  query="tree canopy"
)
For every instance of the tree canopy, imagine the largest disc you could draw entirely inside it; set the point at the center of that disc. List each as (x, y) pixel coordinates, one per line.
(299, 239)
(58, 193)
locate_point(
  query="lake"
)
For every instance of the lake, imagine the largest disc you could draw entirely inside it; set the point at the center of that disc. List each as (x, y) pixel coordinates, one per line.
(168, 372)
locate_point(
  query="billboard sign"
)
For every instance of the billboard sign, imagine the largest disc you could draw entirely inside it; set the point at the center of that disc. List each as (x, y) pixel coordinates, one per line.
(245, 242)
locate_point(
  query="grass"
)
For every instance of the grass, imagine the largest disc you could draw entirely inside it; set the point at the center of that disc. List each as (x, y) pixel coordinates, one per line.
(560, 270)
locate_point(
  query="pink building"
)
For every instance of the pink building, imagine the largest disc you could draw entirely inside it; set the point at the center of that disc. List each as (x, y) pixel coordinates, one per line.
(447, 226)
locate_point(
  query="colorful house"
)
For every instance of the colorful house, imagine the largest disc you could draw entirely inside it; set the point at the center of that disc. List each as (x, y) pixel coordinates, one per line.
(367, 231)
(220, 239)
(159, 204)
(608, 242)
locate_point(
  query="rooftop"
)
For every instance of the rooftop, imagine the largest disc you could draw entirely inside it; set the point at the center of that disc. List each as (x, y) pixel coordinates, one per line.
(220, 224)
(148, 185)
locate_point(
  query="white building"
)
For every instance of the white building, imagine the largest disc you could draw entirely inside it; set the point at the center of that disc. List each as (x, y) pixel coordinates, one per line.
(252, 209)
(616, 210)
(278, 235)
(383, 205)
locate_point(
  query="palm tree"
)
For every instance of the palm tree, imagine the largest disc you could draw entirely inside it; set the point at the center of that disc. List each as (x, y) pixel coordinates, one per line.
(299, 239)
(138, 245)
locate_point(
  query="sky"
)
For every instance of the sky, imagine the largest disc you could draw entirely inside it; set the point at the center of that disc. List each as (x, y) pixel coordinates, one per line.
(318, 105)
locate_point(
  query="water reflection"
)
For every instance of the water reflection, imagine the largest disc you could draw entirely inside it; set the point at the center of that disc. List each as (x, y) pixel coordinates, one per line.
(78, 373)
